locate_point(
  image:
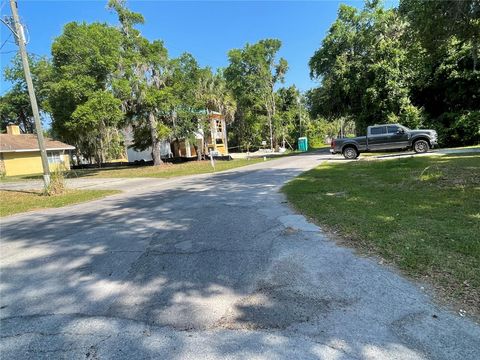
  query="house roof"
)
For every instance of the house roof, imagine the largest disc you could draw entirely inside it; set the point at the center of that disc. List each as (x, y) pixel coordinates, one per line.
(28, 142)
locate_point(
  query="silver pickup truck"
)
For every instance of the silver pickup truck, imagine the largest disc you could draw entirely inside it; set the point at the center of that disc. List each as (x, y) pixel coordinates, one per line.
(385, 137)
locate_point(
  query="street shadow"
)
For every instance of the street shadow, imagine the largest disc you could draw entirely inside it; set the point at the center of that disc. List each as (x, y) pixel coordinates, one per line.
(119, 274)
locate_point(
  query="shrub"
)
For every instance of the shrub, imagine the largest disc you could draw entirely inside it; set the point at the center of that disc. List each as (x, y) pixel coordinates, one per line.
(466, 128)
(57, 182)
(458, 128)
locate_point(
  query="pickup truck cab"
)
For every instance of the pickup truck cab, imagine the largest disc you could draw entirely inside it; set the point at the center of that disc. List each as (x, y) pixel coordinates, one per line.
(385, 137)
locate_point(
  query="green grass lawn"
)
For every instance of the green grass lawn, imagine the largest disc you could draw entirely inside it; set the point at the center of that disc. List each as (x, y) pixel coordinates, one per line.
(163, 171)
(422, 214)
(13, 202)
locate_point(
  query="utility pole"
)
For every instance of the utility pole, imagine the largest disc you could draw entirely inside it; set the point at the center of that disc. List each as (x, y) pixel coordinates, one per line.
(20, 37)
(300, 115)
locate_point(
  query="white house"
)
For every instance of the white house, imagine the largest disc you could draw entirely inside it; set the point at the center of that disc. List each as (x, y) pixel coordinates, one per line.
(145, 155)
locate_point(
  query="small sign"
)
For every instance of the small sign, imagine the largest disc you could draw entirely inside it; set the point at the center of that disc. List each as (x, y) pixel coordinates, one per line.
(264, 143)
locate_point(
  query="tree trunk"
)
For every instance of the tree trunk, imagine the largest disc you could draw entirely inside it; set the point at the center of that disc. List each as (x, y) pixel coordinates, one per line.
(270, 107)
(23, 121)
(269, 117)
(101, 157)
(274, 109)
(198, 151)
(271, 130)
(152, 123)
(77, 156)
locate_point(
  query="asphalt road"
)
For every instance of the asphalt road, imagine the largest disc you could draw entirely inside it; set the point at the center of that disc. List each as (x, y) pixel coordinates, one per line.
(208, 267)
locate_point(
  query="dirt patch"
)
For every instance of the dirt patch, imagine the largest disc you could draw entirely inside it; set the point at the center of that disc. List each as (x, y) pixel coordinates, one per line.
(289, 231)
(273, 307)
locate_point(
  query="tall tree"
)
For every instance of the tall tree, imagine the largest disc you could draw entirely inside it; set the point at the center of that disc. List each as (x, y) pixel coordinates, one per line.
(15, 104)
(186, 91)
(142, 76)
(252, 74)
(188, 110)
(446, 35)
(97, 121)
(364, 68)
(216, 96)
(289, 115)
(84, 59)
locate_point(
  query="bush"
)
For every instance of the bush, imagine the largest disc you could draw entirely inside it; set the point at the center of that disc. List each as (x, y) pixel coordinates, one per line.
(458, 128)
(466, 128)
(57, 182)
(411, 116)
(320, 131)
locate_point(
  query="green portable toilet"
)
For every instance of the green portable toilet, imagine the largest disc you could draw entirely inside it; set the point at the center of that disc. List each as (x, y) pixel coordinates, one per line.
(302, 144)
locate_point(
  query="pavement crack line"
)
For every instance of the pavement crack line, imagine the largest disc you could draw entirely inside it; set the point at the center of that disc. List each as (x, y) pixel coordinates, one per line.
(161, 253)
(41, 333)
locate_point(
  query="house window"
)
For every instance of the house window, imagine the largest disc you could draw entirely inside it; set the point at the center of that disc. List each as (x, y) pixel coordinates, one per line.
(218, 124)
(54, 157)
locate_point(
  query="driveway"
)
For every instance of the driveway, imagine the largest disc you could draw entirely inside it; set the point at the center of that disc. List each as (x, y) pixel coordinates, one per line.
(208, 267)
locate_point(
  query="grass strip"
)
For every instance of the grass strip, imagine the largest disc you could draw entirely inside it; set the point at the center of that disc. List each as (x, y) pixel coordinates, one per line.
(14, 202)
(421, 213)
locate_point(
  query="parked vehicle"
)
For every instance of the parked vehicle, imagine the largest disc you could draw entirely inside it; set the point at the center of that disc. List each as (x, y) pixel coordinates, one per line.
(385, 137)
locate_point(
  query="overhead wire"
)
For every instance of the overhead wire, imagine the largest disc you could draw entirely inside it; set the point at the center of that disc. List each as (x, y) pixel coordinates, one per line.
(8, 37)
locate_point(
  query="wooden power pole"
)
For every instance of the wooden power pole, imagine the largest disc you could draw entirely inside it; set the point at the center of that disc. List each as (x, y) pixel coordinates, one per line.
(20, 37)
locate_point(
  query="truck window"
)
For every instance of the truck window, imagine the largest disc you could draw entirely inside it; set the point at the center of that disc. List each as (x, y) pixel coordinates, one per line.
(378, 130)
(392, 129)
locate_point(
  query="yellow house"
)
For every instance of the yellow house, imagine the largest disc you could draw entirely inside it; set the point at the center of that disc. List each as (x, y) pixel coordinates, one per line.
(20, 155)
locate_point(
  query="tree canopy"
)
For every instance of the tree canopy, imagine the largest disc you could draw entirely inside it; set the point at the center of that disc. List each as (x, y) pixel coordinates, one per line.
(252, 74)
(15, 104)
(416, 64)
(365, 69)
(83, 60)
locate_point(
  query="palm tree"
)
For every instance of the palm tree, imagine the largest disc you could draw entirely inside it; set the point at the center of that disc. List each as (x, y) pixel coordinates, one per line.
(216, 96)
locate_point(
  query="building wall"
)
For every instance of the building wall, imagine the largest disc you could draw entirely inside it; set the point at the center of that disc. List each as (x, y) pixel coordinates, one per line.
(134, 155)
(26, 163)
(146, 155)
(217, 138)
(2, 166)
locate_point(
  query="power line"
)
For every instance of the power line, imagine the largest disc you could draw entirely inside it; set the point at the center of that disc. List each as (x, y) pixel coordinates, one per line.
(8, 22)
(8, 37)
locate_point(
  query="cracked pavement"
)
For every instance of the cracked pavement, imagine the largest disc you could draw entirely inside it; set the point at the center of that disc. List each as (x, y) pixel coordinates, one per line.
(208, 267)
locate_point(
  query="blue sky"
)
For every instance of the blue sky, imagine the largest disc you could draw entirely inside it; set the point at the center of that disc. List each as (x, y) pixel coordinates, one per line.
(205, 29)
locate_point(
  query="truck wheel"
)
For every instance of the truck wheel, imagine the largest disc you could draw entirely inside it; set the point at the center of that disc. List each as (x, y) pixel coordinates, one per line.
(421, 146)
(350, 153)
